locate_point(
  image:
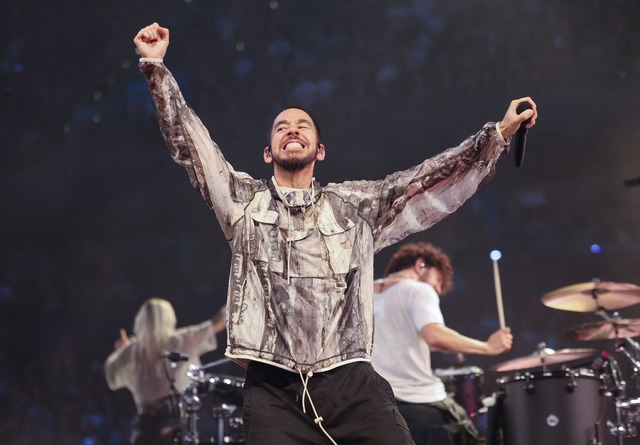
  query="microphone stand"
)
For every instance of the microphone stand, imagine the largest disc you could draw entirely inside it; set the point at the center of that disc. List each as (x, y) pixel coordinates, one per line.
(176, 405)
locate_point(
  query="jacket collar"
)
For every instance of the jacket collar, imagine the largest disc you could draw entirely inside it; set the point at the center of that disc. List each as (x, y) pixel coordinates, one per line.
(297, 197)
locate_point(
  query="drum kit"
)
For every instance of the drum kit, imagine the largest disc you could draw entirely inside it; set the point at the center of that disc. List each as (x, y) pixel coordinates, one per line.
(583, 399)
(211, 407)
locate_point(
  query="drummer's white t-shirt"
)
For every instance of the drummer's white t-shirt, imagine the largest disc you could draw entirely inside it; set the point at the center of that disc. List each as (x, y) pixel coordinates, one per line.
(400, 354)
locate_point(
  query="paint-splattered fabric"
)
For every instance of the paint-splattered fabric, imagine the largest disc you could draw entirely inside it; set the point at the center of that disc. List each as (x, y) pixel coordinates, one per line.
(301, 282)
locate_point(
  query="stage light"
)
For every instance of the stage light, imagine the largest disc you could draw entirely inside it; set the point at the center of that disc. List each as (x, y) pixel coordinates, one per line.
(495, 255)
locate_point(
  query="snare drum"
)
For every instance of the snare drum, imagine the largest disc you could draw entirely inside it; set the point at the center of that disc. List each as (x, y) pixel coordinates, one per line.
(464, 385)
(554, 407)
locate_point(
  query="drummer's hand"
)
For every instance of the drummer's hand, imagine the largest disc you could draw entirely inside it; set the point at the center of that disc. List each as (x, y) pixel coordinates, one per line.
(123, 341)
(499, 342)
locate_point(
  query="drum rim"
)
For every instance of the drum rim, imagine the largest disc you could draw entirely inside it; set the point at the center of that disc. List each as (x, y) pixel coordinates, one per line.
(222, 378)
(553, 374)
(455, 372)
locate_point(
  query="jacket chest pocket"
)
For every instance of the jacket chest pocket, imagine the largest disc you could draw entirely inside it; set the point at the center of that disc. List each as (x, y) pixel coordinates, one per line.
(266, 240)
(338, 240)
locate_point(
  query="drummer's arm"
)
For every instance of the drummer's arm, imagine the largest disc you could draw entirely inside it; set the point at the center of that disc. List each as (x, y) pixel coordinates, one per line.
(444, 339)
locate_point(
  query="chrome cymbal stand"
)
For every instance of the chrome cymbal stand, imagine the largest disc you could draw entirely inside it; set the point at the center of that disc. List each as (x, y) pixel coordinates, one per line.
(626, 345)
(192, 404)
(222, 414)
(623, 427)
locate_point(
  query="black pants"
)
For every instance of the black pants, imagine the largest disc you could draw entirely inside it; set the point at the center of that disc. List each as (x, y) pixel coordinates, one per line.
(356, 404)
(161, 429)
(438, 424)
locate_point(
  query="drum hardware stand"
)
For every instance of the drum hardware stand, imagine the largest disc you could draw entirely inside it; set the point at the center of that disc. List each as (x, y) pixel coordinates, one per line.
(542, 350)
(222, 414)
(596, 435)
(176, 402)
(571, 384)
(192, 404)
(528, 386)
(622, 428)
(622, 346)
(214, 364)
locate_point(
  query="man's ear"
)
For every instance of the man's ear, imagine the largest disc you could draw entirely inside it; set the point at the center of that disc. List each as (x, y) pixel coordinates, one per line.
(321, 153)
(266, 155)
(419, 265)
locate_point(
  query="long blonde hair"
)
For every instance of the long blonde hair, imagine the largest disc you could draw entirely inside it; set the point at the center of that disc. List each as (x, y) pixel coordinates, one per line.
(154, 326)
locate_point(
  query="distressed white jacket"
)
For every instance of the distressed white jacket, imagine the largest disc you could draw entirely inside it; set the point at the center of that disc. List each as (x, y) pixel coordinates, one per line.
(301, 280)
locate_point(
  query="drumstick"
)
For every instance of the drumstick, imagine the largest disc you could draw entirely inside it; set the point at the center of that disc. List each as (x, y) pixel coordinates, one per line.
(495, 256)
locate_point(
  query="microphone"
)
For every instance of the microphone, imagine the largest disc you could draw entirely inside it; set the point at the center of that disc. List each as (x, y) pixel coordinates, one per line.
(175, 357)
(519, 142)
(632, 182)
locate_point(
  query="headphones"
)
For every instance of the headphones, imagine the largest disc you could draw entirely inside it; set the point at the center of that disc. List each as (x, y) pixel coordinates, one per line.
(319, 149)
(423, 266)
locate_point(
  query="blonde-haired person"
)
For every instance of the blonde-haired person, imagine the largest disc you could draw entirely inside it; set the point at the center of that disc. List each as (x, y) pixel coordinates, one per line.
(138, 364)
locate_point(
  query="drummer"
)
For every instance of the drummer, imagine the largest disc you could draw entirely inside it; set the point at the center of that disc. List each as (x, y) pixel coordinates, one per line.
(408, 325)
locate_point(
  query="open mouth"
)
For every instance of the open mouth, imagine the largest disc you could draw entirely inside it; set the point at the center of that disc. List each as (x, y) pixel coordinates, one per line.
(293, 145)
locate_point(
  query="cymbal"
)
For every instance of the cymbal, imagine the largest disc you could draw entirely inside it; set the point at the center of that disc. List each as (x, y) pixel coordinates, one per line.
(605, 330)
(544, 357)
(588, 297)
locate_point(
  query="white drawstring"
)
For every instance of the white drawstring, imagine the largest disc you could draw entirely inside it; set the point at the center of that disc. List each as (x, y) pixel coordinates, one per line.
(305, 393)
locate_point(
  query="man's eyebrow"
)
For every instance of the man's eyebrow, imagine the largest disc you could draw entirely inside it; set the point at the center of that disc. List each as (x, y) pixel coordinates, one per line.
(304, 121)
(299, 121)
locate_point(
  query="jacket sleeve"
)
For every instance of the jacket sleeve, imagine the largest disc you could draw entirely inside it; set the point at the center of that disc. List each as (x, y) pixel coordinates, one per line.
(191, 146)
(413, 200)
(198, 339)
(114, 369)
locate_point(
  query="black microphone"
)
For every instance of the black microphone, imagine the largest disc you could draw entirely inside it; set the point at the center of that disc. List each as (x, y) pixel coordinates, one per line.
(632, 182)
(175, 357)
(519, 142)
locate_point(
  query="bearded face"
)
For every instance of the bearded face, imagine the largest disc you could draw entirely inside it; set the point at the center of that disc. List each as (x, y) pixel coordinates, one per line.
(294, 140)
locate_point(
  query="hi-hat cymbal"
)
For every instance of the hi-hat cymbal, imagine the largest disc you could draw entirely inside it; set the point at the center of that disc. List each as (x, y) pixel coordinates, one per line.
(544, 357)
(606, 330)
(588, 297)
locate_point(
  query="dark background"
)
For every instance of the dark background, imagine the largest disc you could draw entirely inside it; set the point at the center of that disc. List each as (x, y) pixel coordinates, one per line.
(95, 217)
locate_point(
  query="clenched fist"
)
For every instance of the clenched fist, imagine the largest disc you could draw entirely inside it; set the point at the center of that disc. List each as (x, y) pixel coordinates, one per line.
(152, 41)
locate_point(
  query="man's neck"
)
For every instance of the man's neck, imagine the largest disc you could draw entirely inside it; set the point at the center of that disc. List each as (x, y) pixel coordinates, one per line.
(300, 179)
(394, 278)
(406, 274)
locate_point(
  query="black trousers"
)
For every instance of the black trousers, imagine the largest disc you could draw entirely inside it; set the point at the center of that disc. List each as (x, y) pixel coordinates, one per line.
(356, 404)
